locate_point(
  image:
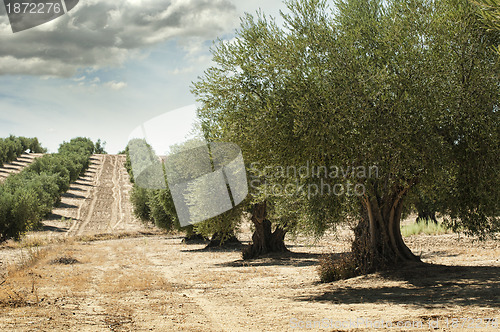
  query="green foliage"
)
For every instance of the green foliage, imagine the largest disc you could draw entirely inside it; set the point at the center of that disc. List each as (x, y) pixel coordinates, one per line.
(99, 147)
(12, 147)
(162, 209)
(139, 198)
(80, 145)
(150, 205)
(27, 197)
(490, 12)
(225, 225)
(490, 15)
(408, 86)
(157, 206)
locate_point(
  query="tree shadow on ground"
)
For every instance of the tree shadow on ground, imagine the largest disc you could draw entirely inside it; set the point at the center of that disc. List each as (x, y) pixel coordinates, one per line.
(56, 217)
(439, 253)
(11, 167)
(46, 228)
(63, 205)
(297, 259)
(76, 189)
(422, 285)
(70, 195)
(82, 183)
(230, 247)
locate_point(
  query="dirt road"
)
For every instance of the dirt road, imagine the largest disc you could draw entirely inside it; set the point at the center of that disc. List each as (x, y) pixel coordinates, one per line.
(70, 281)
(98, 202)
(160, 284)
(107, 207)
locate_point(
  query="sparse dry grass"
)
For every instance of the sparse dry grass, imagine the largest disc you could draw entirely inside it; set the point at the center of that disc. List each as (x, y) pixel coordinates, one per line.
(116, 236)
(424, 227)
(33, 241)
(41, 240)
(22, 279)
(28, 257)
(131, 281)
(65, 260)
(20, 289)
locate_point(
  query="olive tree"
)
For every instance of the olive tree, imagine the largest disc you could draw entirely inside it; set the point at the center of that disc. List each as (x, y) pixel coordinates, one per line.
(408, 87)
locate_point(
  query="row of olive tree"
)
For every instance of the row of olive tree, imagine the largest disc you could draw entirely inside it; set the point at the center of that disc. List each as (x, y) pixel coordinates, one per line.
(150, 205)
(157, 206)
(407, 86)
(12, 147)
(27, 197)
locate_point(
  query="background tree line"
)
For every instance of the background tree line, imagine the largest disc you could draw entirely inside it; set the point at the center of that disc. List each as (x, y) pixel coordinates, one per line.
(12, 147)
(157, 206)
(153, 205)
(29, 196)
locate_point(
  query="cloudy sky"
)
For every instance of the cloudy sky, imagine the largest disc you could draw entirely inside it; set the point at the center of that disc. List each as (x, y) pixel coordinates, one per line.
(109, 65)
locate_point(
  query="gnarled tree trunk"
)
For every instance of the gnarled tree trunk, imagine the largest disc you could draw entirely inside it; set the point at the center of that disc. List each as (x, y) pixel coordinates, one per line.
(378, 241)
(263, 240)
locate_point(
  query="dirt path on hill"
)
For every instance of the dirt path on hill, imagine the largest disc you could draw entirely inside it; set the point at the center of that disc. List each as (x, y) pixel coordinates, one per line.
(98, 202)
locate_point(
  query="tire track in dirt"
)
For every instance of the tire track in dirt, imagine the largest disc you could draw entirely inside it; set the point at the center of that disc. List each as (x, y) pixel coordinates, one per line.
(117, 212)
(98, 202)
(66, 217)
(125, 220)
(78, 226)
(215, 305)
(103, 212)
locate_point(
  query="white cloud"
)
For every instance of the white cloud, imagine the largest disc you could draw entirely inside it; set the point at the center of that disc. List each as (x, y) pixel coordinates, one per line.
(116, 85)
(10, 65)
(97, 35)
(106, 33)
